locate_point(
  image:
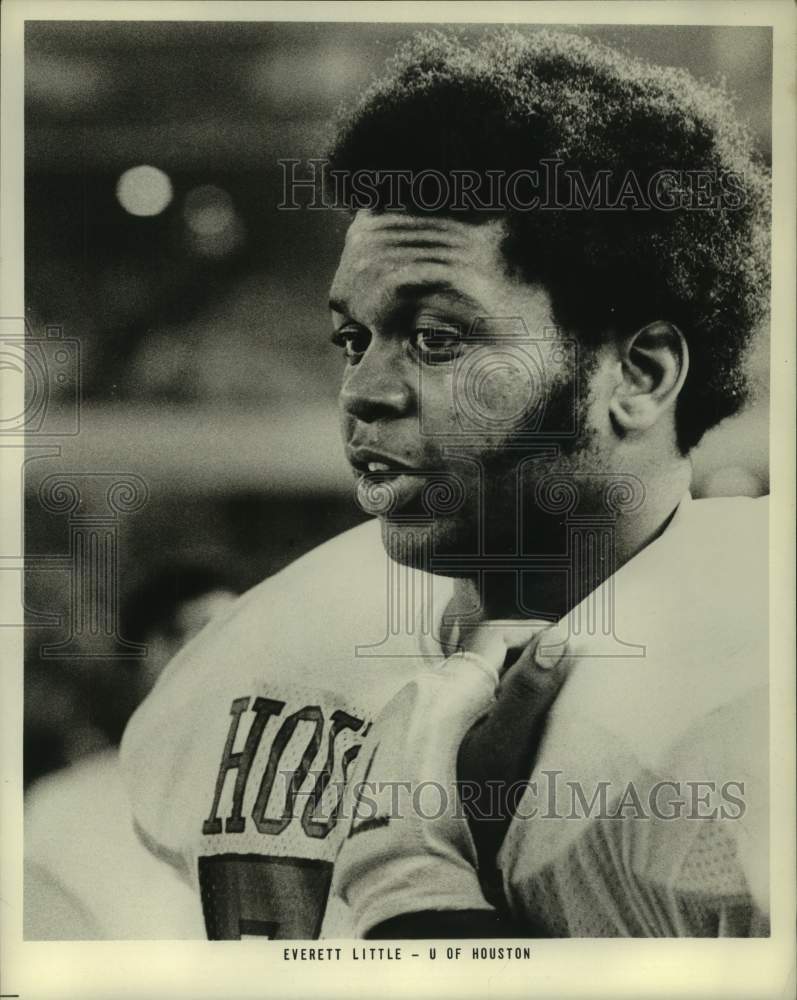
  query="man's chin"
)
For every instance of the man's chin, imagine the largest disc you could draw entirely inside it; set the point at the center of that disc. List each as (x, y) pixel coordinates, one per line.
(426, 546)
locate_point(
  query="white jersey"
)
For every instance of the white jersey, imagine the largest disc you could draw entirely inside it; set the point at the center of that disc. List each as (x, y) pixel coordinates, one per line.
(236, 760)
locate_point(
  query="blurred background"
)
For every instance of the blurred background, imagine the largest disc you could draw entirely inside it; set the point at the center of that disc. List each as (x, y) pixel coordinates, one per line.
(154, 243)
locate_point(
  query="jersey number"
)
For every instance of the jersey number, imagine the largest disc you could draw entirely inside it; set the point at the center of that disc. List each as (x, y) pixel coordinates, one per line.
(247, 895)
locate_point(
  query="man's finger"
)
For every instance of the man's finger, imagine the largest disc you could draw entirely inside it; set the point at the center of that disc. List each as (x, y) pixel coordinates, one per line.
(530, 685)
(492, 640)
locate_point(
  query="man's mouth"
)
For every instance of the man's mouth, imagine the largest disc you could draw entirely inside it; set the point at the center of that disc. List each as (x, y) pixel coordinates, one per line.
(386, 483)
(364, 460)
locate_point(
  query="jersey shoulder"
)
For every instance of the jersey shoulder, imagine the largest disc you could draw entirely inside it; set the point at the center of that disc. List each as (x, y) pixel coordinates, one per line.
(677, 632)
(297, 655)
(300, 624)
(675, 692)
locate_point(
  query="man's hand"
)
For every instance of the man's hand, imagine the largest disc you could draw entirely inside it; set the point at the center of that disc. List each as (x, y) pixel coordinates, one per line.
(395, 862)
(496, 756)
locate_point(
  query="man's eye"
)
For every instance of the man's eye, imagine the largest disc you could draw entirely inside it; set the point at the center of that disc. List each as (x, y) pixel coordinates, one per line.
(354, 343)
(437, 344)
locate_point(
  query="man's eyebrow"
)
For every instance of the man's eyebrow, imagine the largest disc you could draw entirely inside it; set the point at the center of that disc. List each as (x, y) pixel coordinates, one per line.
(419, 288)
(416, 289)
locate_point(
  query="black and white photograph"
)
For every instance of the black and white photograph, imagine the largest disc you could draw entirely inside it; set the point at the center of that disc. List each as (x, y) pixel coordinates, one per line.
(399, 410)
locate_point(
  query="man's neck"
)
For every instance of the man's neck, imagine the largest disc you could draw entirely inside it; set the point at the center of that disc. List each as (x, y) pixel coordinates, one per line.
(561, 576)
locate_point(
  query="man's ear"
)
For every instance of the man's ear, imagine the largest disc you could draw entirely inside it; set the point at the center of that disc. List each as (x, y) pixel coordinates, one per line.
(654, 362)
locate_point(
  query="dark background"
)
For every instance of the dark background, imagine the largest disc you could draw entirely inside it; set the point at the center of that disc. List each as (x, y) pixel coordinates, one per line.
(205, 366)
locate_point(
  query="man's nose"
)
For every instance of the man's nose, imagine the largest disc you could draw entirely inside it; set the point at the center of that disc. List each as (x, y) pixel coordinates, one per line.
(376, 387)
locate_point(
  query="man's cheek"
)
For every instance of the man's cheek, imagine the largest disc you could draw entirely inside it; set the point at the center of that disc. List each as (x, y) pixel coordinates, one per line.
(489, 396)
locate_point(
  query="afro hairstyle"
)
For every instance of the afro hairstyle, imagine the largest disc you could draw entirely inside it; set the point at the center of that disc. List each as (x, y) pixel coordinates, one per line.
(510, 100)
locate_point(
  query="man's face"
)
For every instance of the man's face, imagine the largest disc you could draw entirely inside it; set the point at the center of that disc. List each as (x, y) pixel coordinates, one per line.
(454, 375)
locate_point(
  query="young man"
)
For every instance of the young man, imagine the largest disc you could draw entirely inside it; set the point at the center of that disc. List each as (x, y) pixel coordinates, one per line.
(556, 261)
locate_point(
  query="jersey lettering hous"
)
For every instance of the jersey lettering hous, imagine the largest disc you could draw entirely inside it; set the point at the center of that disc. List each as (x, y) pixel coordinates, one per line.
(651, 783)
(236, 762)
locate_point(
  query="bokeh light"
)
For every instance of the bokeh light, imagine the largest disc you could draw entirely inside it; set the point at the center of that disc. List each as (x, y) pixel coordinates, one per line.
(215, 228)
(144, 190)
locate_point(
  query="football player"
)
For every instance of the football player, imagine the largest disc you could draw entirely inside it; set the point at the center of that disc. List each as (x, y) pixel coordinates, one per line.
(556, 261)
